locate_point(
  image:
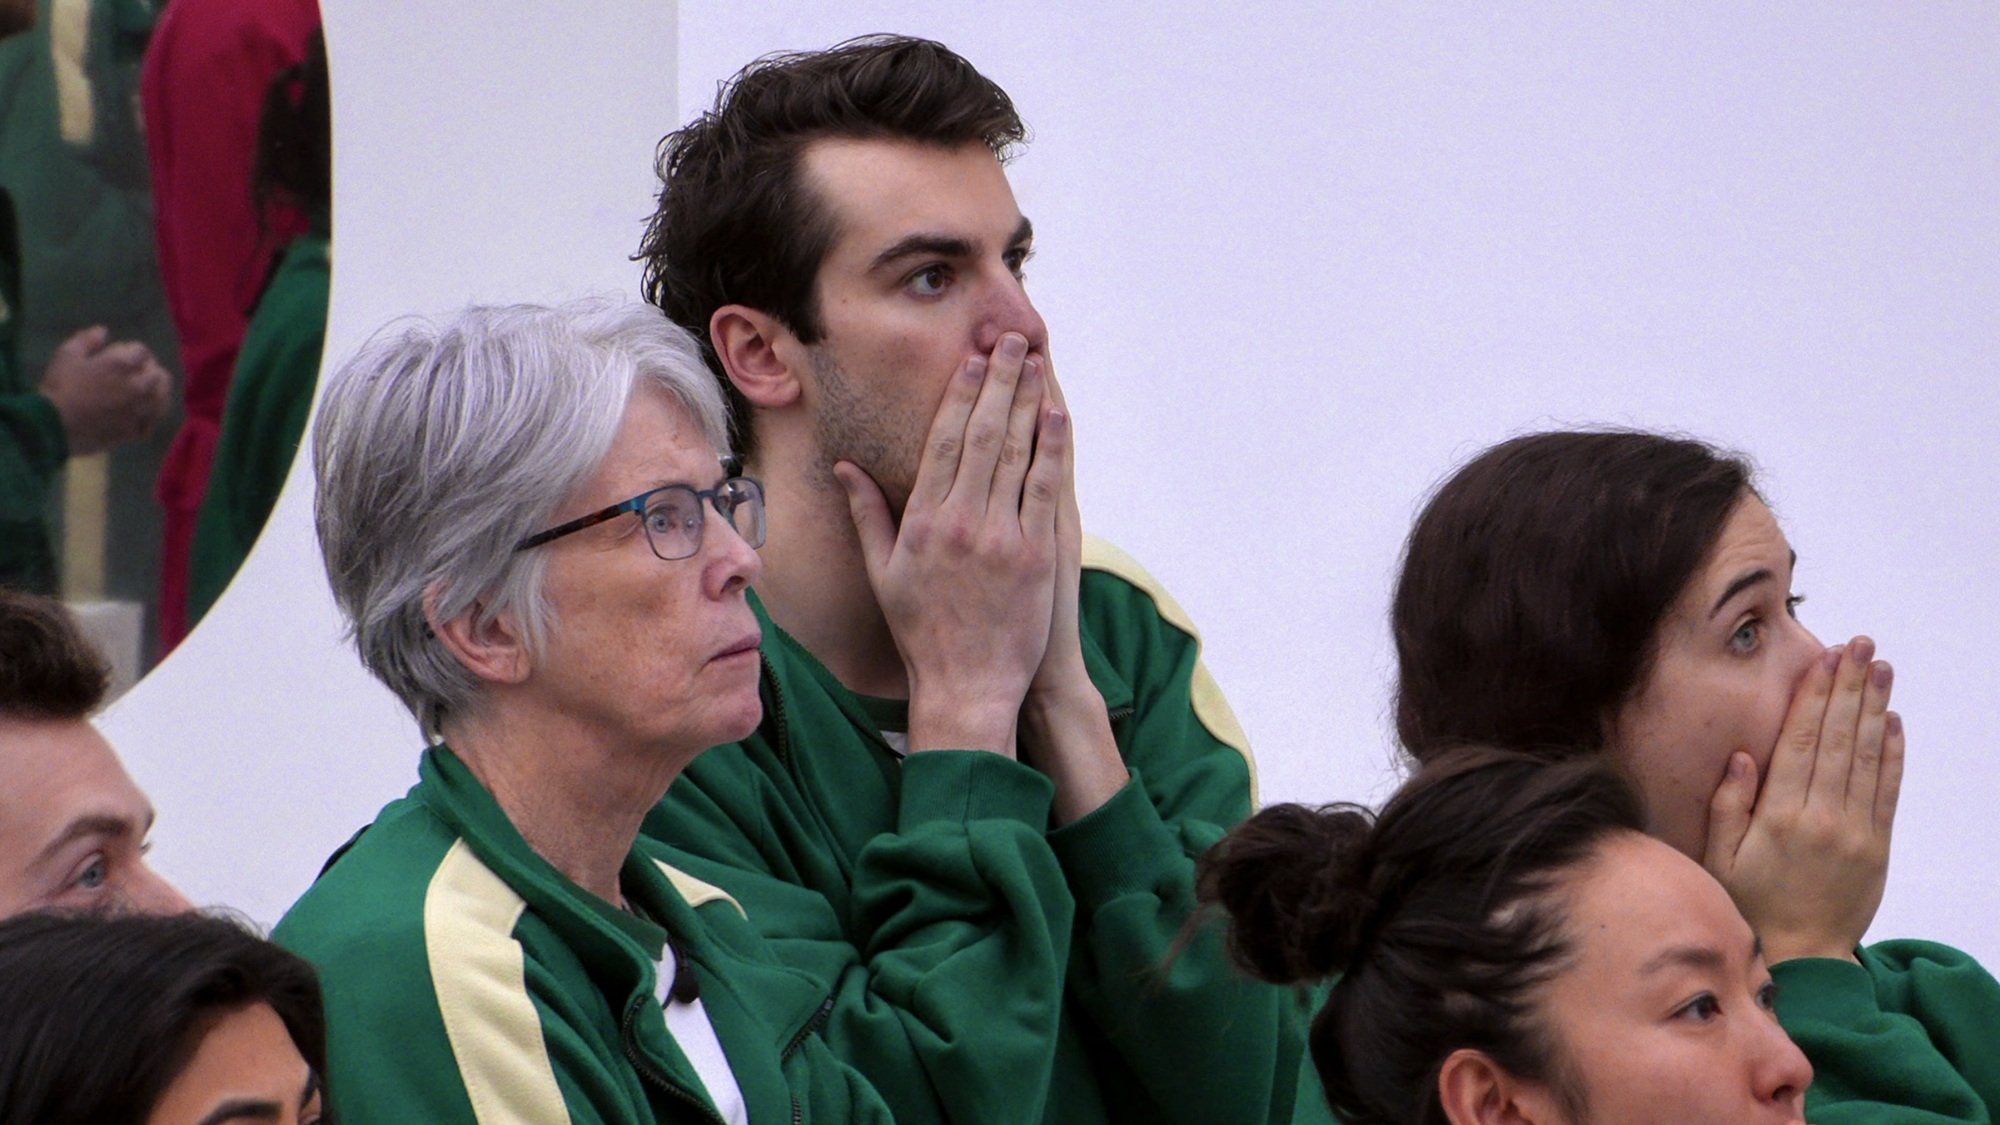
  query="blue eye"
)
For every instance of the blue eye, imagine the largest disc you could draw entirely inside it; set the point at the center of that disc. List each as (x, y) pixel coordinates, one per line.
(1746, 636)
(93, 876)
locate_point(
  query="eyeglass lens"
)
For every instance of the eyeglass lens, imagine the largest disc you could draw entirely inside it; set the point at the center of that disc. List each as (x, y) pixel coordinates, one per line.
(674, 516)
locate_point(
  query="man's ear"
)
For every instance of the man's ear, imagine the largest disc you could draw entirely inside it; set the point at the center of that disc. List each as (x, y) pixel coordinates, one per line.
(492, 650)
(758, 352)
(1475, 1090)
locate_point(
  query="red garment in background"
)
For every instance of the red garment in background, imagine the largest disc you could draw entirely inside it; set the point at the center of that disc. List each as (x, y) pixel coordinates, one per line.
(201, 88)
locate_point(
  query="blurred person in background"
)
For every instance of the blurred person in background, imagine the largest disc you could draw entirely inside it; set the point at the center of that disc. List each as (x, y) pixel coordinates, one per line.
(203, 87)
(278, 366)
(93, 392)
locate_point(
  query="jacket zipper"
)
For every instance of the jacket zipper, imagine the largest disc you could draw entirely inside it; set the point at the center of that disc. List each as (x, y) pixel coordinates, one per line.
(778, 711)
(647, 1070)
(812, 1025)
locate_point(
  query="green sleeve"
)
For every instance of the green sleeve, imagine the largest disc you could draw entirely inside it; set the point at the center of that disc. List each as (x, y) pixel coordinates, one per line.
(945, 960)
(1205, 1043)
(1907, 1035)
(32, 447)
(264, 420)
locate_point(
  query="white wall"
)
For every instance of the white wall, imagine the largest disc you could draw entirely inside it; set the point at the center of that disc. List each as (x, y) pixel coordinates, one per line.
(1298, 264)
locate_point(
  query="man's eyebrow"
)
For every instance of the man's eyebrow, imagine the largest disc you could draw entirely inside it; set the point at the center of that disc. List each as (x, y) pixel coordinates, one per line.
(243, 1109)
(927, 244)
(92, 824)
(1024, 233)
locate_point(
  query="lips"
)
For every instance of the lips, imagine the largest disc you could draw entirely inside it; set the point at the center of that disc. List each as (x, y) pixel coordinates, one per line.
(746, 645)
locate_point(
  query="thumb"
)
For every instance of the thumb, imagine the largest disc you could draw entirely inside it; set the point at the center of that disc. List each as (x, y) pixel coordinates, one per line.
(87, 341)
(1729, 815)
(870, 511)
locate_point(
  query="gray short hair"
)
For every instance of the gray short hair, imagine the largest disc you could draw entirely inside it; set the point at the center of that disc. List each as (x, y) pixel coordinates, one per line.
(438, 446)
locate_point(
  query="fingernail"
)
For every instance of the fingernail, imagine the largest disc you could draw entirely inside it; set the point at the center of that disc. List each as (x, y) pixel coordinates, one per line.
(1882, 674)
(1894, 723)
(1013, 346)
(975, 368)
(1737, 767)
(1863, 648)
(1031, 369)
(1830, 659)
(1057, 419)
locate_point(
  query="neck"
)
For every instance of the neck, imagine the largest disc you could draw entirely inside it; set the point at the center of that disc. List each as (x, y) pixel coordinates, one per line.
(576, 796)
(815, 582)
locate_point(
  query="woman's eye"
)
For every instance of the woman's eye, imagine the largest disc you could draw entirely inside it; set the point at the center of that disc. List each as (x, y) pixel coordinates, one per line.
(1767, 996)
(930, 281)
(1745, 638)
(1701, 1009)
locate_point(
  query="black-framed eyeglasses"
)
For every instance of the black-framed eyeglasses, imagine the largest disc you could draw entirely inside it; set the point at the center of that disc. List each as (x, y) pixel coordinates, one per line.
(673, 516)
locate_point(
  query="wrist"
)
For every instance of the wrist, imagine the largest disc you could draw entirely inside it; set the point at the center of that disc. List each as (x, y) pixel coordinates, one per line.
(945, 721)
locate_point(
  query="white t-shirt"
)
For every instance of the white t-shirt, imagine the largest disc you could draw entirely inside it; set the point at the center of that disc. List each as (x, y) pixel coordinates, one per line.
(688, 1024)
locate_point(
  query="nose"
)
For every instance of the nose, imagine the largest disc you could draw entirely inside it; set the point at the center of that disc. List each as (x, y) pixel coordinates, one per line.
(148, 893)
(1004, 308)
(1779, 1069)
(1801, 648)
(729, 562)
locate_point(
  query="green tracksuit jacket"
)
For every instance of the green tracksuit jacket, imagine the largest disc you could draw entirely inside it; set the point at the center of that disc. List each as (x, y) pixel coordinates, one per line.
(468, 980)
(787, 821)
(33, 445)
(270, 396)
(1910, 1035)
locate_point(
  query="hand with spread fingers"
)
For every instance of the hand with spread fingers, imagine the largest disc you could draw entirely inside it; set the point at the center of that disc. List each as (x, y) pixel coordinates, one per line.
(967, 580)
(1806, 856)
(108, 393)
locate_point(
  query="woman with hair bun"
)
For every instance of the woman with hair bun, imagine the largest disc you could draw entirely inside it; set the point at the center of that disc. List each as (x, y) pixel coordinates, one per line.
(1627, 597)
(1511, 947)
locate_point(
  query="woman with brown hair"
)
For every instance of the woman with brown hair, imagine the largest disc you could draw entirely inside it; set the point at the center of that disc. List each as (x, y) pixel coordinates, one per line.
(1627, 597)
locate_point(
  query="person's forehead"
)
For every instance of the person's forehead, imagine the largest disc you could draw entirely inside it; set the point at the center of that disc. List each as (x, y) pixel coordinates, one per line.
(881, 190)
(54, 770)
(1639, 897)
(1750, 538)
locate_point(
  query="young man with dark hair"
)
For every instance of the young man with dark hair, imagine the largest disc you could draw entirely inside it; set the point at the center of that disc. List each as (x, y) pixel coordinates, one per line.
(840, 234)
(72, 825)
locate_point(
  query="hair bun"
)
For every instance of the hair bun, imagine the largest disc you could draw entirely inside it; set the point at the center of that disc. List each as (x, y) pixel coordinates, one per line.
(1295, 883)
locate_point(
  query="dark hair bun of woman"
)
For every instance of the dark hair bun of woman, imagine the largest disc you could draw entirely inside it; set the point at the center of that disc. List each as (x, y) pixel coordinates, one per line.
(1295, 883)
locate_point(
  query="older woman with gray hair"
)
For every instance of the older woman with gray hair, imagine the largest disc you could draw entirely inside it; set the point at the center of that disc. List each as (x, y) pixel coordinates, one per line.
(529, 521)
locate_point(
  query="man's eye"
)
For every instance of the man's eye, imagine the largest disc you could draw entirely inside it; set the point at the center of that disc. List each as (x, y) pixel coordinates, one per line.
(1793, 603)
(930, 281)
(93, 875)
(1017, 260)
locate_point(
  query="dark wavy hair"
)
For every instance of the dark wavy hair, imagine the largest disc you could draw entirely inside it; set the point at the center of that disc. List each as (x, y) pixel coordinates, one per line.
(1441, 917)
(1536, 578)
(736, 222)
(100, 1013)
(48, 670)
